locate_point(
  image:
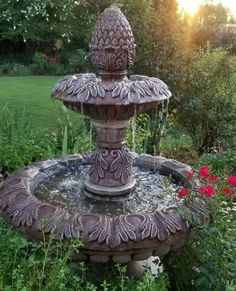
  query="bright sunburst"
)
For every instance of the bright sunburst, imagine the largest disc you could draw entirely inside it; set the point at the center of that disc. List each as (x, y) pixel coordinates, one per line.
(191, 6)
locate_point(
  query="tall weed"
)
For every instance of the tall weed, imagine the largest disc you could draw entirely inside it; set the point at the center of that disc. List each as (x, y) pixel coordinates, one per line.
(49, 266)
(19, 143)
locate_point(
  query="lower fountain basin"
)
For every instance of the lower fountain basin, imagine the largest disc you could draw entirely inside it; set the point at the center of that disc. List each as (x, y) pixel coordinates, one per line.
(48, 197)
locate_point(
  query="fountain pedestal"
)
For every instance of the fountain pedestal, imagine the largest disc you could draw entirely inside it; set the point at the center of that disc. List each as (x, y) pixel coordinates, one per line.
(111, 163)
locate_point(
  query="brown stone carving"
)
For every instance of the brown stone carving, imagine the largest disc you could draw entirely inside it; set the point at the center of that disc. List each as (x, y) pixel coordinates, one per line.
(117, 161)
(131, 235)
(85, 88)
(110, 100)
(112, 45)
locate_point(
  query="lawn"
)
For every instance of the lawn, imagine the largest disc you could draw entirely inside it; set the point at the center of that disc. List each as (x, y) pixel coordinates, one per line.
(32, 94)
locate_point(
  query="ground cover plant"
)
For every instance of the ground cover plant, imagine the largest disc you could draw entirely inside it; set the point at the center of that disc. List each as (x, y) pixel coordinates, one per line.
(49, 266)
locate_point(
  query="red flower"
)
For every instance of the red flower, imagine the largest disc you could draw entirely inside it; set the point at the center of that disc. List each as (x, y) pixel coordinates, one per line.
(232, 180)
(212, 178)
(207, 190)
(189, 174)
(227, 191)
(183, 192)
(203, 172)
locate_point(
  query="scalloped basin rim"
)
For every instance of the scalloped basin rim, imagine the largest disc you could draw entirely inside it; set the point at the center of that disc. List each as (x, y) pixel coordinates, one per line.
(100, 233)
(87, 89)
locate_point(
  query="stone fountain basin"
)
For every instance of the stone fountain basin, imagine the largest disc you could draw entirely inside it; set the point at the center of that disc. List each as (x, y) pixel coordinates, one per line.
(109, 112)
(106, 100)
(118, 237)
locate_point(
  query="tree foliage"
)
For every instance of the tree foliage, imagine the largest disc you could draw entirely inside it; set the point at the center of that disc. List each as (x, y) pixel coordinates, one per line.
(208, 107)
(33, 25)
(207, 23)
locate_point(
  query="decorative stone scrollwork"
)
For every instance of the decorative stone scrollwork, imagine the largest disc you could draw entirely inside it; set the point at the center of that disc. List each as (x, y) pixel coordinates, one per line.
(99, 164)
(84, 87)
(102, 233)
(121, 165)
(104, 162)
(140, 87)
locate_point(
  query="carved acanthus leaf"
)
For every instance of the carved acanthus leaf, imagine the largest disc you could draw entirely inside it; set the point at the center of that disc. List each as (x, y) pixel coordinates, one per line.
(99, 164)
(139, 87)
(83, 86)
(122, 231)
(121, 164)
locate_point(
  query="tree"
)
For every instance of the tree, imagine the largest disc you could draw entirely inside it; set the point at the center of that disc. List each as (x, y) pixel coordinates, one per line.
(162, 51)
(37, 23)
(207, 23)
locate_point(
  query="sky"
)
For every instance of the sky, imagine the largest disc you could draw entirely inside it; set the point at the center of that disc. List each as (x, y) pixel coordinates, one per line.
(192, 5)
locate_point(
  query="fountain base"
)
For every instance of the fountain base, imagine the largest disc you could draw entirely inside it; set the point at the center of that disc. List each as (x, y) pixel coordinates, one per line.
(37, 201)
(111, 192)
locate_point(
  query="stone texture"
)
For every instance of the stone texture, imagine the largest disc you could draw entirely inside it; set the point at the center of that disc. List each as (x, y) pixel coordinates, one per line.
(131, 236)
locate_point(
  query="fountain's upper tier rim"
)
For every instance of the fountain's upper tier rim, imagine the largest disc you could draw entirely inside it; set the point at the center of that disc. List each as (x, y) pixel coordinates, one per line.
(88, 89)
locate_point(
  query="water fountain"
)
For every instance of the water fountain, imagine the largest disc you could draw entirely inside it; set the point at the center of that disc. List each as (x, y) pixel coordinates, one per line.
(114, 200)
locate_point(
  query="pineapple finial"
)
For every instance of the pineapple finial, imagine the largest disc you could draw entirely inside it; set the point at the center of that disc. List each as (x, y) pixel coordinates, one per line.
(112, 45)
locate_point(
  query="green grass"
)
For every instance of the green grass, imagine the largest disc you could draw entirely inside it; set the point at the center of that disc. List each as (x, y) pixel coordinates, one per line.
(32, 94)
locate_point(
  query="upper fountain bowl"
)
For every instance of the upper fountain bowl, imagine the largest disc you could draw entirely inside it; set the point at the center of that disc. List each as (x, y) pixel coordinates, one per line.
(112, 96)
(102, 100)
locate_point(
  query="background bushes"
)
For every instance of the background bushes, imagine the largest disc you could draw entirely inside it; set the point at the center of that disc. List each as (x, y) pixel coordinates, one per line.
(207, 108)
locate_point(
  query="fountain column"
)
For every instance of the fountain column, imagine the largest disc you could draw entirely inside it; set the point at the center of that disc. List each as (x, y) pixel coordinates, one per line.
(111, 169)
(112, 52)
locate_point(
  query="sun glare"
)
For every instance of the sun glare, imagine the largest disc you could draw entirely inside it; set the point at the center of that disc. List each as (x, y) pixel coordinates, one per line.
(191, 6)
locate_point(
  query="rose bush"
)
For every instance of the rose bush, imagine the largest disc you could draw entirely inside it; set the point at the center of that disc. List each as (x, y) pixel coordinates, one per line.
(207, 261)
(211, 185)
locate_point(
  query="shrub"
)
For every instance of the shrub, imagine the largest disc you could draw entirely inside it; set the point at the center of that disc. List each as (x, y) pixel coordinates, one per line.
(39, 64)
(43, 64)
(73, 136)
(207, 262)
(221, 161)
(78, 62)
(207, 109)
(55, 69)
(138, 133)
(21, 144)
(14, 69)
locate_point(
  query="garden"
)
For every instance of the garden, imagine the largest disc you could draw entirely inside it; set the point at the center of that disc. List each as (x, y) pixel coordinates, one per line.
(195, 55)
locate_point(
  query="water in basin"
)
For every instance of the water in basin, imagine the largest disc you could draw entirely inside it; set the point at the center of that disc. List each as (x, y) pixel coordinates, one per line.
(152, 191)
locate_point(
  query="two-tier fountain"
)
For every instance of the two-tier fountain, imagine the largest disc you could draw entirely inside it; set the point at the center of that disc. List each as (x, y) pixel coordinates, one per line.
(118, 203)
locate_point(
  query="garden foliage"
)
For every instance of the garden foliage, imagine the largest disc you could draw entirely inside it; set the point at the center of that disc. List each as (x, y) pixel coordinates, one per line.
(49, 266)
(207, 109)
